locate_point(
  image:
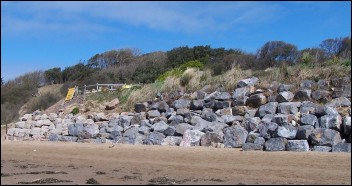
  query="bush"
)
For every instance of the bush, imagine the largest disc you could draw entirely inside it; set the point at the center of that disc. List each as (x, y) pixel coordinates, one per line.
(44, 102)
(75, 111)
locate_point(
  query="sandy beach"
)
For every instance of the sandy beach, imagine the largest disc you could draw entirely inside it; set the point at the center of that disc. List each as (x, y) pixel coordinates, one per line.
(24, 162)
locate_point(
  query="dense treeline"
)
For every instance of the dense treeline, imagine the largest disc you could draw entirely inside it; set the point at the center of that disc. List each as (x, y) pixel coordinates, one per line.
(129, 65)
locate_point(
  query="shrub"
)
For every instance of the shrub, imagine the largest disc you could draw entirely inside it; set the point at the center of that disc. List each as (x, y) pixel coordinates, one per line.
(75, 111)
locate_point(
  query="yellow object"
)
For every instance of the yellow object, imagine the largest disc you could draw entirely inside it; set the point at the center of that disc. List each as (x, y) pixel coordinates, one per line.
(70, 93)
(126, 86)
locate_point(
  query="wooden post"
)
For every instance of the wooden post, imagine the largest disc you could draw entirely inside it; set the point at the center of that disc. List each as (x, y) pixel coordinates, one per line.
(97, 87)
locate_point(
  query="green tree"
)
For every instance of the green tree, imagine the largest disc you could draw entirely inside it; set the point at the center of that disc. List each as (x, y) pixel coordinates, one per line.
(53, 75)
(273, 53)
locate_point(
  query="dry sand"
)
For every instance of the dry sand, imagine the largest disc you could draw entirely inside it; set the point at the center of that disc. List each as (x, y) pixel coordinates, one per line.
(26, 161)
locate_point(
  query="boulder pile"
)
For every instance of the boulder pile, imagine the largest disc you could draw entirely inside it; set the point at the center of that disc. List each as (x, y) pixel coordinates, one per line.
(314, 117)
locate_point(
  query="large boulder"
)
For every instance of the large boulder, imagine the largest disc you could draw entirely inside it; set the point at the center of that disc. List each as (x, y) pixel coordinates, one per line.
(154, 138)
(320, 94)
(321, 149)
(298, 145)
(323, 84)
(285, 96)
(288, 107)
(309, 119)
(347, 125)
(208, 115)
(160, 126)
(243, 92)
(269, 108)
(181, 103)
(285, 87)
(191, 138)
(197, 104)
(339, 102)
(171, 141)
(307, 84)
(182, 127)
(112, 104)
(248, 82)
(308, 107)
(218, 96)
(140, 107)
(256, 100)
(267, 130)
(210, 138)
(344, 91)
(239, 110)
(276, 144)
(251, 124)
(252, 147)
(331, 122)
(303, 94)
(153, 114)
(304, 131)
(235, 136)
(341, 147)
(325, 137)
(286, 131)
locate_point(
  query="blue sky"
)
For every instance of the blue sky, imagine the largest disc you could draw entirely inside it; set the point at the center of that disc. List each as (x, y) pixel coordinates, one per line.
(43, 35)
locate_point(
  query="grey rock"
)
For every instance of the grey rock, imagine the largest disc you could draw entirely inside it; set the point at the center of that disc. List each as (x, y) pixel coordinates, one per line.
(20, 124)
(307, 84)
(140, 107)
(285, 96)
(339, 102)
(208, 115)
(297, 145)
(268, 118)
(210, 138)
(201, 94)
(154, 138)
(251, 137)
(137, 119)
(153, 114)
(170, 112)
(286, 131)
(252, 147)
(221, 104)
(321, 149)
(347, 125)
(170, 131)
(341, 147)
(230, 119)
(217, 95)
(269, 108)
(308, 107)
(323, 84)
(344, 91)
(288, 107)
(243, 92)
(276, 144)
(175, 120)
(259, 140)
(320, 94)
(251, 124)
(304, 131)
(197, 104)
(181, 103)
(89, 131)
(267, 130)
(309, 119)
(330, 110)
(182, 111)
(172, 141)
(124, 121)
(284, 87)
(239, 110)
(160, 126)
(234, 136)
(256, 100)
(280, 119)
(191, 138)
(115, 135)
(224, 111)
(331, 122)
(274, 86)
(325, 137)
(248, 82)
(181, 128)
(163, 106)
(303, 94)
(239, 101)
(144, 130)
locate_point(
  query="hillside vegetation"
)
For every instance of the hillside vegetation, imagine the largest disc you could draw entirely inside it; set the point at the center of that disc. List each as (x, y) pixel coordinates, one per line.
(181, 70)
